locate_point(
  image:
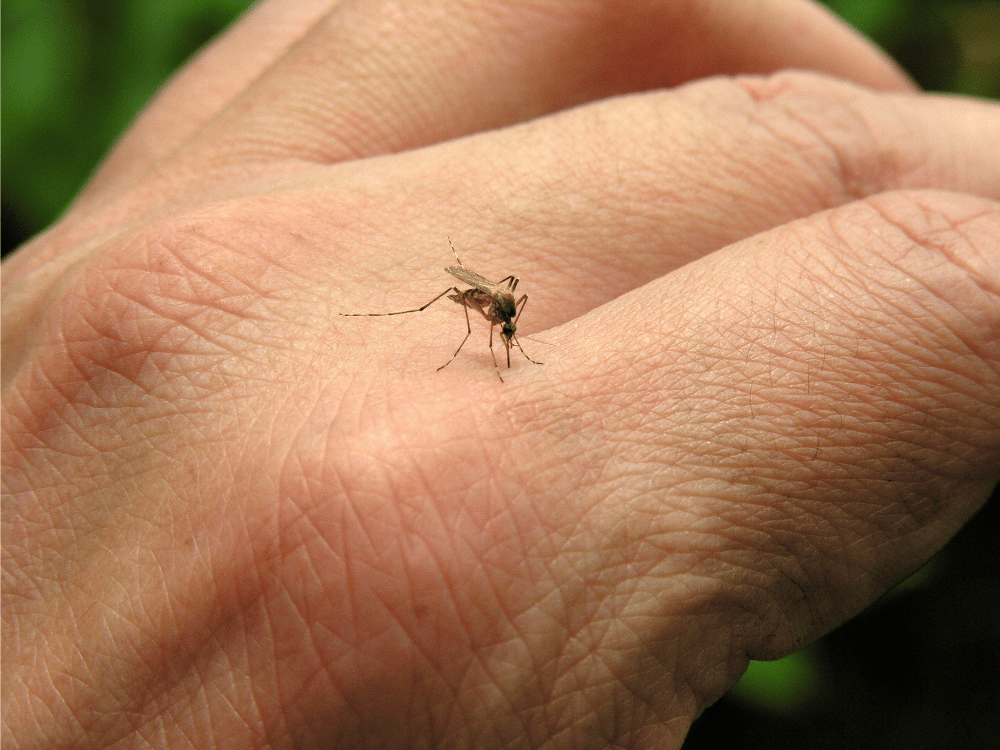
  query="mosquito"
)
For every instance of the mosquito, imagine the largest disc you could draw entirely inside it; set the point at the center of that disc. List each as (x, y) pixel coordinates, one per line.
(493, 300)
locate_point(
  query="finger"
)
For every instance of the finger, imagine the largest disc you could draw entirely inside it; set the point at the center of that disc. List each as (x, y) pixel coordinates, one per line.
(369, 79)
(741, 455)
(205, 86)
(812, 412)
(591, 203)
(378, 77)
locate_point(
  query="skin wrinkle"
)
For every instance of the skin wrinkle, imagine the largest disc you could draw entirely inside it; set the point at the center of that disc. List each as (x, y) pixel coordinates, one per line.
(959, 253)
(932, 317)
(327, 533)
(373, 68)
(164, 250)
(545, 697)
(863, 170)
(172, 661)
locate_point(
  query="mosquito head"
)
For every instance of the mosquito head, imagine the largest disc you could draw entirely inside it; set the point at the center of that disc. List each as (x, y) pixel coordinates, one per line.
(507, 331)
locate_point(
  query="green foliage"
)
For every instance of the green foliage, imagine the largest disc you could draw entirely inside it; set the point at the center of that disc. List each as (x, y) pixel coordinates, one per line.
(782, 686)
(75, 73)
(946, 45)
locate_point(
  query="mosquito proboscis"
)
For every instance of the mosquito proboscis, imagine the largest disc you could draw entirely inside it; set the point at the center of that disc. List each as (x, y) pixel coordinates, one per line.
(494, 300)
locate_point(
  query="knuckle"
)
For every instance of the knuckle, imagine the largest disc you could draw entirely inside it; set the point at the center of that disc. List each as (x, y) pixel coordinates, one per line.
(937, 247)
(920, 272)
(163, 308)
(856, 138)
(959, 229)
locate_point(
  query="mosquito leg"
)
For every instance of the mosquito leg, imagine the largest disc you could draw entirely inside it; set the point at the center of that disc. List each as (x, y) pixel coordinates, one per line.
(468, 327)
(520, 303)
(492, 354)
(400, 312)
(525, 353)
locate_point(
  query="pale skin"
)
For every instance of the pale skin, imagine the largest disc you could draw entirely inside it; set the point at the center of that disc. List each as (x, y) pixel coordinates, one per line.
(771, 314)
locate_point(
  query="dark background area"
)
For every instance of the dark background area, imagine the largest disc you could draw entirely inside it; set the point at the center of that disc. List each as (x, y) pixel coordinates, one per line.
(920, 670)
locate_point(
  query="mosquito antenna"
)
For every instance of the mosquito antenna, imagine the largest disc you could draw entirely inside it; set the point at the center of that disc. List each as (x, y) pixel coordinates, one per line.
(456, 253)
(535, 339)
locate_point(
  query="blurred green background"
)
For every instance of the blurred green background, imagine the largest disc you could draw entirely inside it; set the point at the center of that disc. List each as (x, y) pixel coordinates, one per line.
(919, 670)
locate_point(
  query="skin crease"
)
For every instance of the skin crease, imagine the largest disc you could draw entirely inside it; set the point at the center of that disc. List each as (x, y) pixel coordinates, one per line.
(768, 307)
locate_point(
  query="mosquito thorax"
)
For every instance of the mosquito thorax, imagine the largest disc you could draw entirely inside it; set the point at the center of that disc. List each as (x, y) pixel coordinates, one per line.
(506, 307)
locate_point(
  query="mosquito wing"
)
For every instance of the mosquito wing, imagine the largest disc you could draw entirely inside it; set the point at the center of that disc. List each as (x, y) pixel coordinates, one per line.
(472, 279)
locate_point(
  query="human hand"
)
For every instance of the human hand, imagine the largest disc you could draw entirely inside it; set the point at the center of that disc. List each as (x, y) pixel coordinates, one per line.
(770, 314)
